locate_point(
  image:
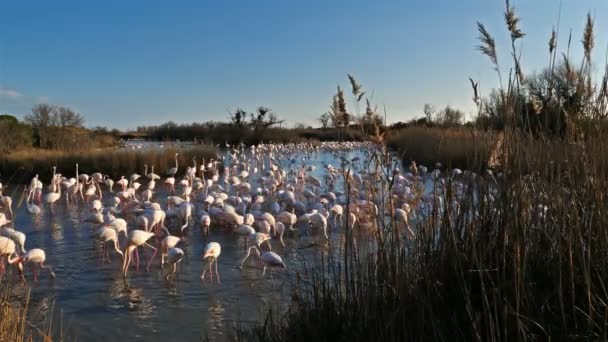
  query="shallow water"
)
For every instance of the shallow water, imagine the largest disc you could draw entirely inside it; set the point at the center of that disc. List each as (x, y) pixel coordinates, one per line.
(94, 302)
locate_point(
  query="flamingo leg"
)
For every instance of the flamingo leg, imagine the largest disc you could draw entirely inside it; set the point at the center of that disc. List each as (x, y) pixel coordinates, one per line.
(205, 271)
(117, 249)
(152, 257)
(35, 273)
(126, 262)
(246, 256)
(137, 258)
(2, 267)
(263, 272)
(217, 273)
(103, 253)
(210, 271)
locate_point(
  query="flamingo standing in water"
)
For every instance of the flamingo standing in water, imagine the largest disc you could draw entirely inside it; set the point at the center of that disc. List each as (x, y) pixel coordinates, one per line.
(106, 234)
(136, 239)
(205, 223)
(37, 257)
(212, 252)
(165, 245)
(8, 250)
(175, 256)
(31, 207)
(52, 197)
(173, 170)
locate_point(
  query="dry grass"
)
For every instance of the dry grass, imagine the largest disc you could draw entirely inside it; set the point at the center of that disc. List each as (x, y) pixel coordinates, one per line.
(14, 321)
(454, 147)
(20, 166)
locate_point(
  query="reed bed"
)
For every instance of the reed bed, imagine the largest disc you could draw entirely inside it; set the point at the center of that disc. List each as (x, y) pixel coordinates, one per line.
(15, 324)
(517, 250)
(518, 258)
(20, 167)
(455, 147)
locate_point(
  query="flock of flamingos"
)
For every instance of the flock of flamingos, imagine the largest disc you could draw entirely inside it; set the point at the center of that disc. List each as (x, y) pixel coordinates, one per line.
(260, 192)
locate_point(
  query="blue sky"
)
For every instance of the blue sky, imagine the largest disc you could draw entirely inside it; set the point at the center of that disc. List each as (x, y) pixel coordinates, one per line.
(129, 63)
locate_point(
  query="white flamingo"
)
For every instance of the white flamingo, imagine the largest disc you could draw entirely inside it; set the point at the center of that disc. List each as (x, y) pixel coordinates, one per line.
(37, 257)
(212, 252)
(137, 238)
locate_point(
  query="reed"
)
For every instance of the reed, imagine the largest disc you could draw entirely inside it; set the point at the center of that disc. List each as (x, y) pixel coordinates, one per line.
(21, 166)
(516, 254)
(454, 147)
(15, 324)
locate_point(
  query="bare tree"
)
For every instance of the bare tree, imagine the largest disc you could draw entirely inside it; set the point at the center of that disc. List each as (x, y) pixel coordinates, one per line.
(42, 119)
(239, 117)
(68, 118)
(449, 117)
(324, 120)
(429, 112)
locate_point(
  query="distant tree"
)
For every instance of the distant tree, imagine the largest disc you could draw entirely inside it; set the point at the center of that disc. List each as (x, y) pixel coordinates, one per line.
(15, 135)
(239, 117)
(429, 112)
(324, 120)
(8, 118)
(262, 119)
(68, 118)
(449, 117)
(42, 119)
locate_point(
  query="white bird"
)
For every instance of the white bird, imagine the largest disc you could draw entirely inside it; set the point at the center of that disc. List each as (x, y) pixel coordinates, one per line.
(173, 170)
(15, 235)
(137, 238)
(205, 224)
(8, 250)
(31, 207)
(166, 244)
(107, 234)
(37, 257)
(212, 252)
(175, 256)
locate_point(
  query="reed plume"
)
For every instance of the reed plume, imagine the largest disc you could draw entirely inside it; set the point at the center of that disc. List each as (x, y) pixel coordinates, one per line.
(588, 39)
(356, 87)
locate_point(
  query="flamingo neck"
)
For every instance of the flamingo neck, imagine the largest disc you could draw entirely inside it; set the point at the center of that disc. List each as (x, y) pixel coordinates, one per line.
(15, 260)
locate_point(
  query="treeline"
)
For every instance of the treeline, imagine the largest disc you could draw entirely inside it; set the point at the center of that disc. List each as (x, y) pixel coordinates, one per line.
(50, 127)
(448, 117)
(225, 132)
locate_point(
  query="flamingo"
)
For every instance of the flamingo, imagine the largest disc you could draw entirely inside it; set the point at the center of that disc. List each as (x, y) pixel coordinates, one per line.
(175, 256)
(7, 249)
(212, 252)
(31, 207)
(7, 203)
(173, 170)
(205, 224)
(166, 244)
(15, 235)
(107, 234)
(37, 257)
(137, 238)
(52, 197)
(3, 220)
(279, 230)
(270, 260)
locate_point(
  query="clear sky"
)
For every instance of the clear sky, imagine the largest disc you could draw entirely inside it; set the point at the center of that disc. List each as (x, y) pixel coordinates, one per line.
(128, 63)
